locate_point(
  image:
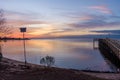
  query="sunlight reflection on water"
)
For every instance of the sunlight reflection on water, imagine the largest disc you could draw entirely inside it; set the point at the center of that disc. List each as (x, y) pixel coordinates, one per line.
(75, 53)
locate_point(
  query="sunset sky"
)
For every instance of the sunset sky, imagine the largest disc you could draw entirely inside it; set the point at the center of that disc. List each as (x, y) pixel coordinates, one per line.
(60, 18)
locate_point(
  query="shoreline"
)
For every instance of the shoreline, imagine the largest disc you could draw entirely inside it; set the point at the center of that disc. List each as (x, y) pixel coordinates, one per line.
(17, 63)
(16, 67)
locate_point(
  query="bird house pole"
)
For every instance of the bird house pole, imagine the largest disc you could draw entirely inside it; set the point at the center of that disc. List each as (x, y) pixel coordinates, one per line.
(23, 30)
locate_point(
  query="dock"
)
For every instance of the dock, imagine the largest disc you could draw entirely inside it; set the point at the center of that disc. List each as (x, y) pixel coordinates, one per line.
(110, 48)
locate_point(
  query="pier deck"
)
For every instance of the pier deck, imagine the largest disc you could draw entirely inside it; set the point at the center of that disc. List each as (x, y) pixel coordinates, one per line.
(111, 49)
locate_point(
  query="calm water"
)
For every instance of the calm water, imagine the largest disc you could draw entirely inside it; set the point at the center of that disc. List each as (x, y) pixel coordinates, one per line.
(75, 53)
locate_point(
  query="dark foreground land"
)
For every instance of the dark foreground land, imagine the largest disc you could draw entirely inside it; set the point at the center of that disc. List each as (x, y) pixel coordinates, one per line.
(14, 70)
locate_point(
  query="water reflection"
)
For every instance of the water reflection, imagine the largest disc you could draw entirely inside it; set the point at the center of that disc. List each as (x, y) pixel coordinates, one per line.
(76, 53)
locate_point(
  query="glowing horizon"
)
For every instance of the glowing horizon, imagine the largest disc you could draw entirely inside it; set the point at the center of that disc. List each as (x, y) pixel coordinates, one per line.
(57, 18)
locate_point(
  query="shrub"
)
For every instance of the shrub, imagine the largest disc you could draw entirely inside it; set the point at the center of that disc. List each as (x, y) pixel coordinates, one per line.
(48, 61)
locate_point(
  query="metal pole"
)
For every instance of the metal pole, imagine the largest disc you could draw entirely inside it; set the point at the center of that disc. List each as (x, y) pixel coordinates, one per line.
(0, 52)
(0, 48)
(24, 49)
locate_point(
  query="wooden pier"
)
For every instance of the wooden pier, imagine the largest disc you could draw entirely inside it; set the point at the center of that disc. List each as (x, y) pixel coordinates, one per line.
(110, 48)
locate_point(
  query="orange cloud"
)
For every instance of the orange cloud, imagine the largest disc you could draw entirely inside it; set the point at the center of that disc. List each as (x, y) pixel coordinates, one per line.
(102, 8)
(82, 18)
(87, 17)
(33, 27)
(19, 23)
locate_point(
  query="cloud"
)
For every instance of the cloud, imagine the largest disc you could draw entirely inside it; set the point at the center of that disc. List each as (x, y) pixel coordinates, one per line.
(23, 16)
(54, 31)
(96, 21)
(14, 18)
(86, 17)
(115, 16)
(18, 23)
(89, 36)
(93, 24)
(83, 17)
(107, 31)
(101, 8)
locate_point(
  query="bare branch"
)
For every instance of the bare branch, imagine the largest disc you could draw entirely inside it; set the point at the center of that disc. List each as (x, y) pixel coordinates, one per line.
(4, 29)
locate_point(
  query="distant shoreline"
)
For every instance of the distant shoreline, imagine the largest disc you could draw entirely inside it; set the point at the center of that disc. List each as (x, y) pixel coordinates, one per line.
(14, 39)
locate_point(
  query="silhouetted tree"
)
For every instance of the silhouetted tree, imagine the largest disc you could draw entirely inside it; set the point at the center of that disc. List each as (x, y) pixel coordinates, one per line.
(48, 61)
(4, 29)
